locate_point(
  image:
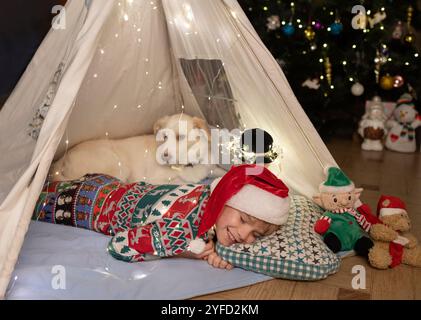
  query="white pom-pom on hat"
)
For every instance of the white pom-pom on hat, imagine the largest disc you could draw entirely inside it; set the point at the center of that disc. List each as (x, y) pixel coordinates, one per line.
(197, 246)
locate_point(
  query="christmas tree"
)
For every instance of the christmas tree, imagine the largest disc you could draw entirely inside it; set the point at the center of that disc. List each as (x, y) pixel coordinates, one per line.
(338, 54)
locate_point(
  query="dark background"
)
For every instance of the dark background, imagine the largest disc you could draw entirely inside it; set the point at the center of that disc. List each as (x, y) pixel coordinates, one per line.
(23, 25)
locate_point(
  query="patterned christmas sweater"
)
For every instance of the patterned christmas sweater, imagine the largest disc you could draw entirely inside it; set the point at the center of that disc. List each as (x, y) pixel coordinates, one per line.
(145, 221)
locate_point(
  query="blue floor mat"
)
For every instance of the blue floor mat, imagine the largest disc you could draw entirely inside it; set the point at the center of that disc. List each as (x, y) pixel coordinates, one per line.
(59, 262)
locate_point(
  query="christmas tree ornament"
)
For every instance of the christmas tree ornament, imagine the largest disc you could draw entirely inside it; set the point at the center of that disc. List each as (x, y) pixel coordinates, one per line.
(328, 70)
(398, 81)
(336, 28)
(372, 126)
(398, 31)
(357, 89)
(384, 51)
(309, 33)
(273, 22)
(288, 29)
(317, 25)
(386, 82)
(382, 55)
(311, 83)
(409, 37)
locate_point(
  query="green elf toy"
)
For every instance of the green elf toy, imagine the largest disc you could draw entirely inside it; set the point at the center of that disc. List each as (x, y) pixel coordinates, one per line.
(346, 221)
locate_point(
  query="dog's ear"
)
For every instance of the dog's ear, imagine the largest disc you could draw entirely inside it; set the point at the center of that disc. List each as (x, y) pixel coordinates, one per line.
(201, 124)
(160, 124)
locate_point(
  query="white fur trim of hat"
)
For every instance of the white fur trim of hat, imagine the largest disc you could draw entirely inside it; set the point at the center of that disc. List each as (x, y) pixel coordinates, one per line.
(391, 211)
(259, 203)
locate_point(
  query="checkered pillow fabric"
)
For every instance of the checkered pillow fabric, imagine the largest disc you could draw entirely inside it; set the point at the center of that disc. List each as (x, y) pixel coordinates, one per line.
(293, 252)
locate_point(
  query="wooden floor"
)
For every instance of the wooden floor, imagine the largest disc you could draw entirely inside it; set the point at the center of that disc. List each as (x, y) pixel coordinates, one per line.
(378, 173)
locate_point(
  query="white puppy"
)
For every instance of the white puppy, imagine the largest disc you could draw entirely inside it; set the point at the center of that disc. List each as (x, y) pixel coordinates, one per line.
(175, 153)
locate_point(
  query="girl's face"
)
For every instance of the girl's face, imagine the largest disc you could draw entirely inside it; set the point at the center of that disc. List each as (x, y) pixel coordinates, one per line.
(234, 226)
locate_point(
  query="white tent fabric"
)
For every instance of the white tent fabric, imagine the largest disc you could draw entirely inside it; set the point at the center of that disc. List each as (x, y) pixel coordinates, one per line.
(117, 67)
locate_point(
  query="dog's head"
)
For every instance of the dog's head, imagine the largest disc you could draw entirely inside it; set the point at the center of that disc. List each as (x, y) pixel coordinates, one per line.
(182, 140)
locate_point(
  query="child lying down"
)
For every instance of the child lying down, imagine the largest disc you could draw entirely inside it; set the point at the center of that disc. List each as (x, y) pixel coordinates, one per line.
(151, 221)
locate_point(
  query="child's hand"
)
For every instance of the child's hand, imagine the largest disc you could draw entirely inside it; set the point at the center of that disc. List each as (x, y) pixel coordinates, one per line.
(217, 262)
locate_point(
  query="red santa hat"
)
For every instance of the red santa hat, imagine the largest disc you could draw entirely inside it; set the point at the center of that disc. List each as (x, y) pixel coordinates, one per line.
(390, 205)
(250, 188)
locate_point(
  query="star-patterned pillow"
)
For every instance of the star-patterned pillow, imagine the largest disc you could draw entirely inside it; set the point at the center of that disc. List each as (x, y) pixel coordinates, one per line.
(293, 252)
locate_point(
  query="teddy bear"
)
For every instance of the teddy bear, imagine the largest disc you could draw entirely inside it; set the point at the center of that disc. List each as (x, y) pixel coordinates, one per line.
(346, 221)
(393, 244)
(372, 126)
(401, 135)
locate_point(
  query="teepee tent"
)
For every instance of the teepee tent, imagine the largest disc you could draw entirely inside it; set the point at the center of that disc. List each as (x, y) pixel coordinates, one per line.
(118, 66)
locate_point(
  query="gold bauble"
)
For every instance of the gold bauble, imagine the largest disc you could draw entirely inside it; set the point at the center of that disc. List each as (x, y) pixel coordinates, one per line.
(386, 82)
(309, 33)
(409, 38)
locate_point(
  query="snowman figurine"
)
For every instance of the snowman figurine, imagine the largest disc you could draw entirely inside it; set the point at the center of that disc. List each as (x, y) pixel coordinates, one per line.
(372, 127)
(401, 136)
